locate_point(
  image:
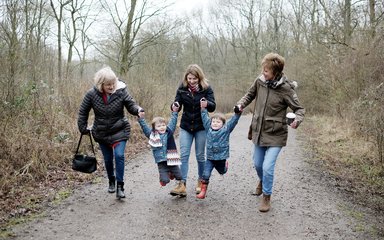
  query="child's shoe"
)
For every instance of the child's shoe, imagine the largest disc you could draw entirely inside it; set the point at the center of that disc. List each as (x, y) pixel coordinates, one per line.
(162, 183)
(203, 192)
(180, 190)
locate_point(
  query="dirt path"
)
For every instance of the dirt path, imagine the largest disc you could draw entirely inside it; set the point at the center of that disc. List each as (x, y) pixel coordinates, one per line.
(303, 207)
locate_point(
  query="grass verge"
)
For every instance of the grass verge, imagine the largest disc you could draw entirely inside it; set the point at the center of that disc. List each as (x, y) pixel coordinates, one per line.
(338, 150)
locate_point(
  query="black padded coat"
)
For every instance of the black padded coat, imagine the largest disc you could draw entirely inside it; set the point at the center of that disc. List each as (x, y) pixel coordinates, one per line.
(110, 124)
(191, 117)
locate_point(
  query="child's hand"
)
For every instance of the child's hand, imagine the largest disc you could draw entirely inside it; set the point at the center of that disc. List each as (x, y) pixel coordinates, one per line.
(141, 113)
(175, 107)
(203, 103)
(238, 109)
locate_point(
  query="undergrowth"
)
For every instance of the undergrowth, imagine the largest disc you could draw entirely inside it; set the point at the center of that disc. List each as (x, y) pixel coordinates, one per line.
(339, 149)
(36, 167)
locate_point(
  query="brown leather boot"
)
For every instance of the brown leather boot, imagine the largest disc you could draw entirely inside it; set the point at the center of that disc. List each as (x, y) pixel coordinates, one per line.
(179, 190)
(198, 186)
(265, 204)
(203, 191)
(259, 189)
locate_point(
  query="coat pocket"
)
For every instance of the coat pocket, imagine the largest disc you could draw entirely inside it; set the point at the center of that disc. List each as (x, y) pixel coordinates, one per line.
(275, 125)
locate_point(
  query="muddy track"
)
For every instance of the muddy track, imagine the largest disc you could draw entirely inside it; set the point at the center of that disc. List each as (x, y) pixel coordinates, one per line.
(303, 204)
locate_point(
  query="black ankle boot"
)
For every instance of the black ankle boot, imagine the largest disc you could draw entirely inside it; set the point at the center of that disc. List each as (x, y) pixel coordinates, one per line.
(120, 190)
(112, 185)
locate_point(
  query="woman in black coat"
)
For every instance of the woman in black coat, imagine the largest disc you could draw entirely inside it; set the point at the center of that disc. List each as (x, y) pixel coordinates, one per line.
(191, 91)
(111, 128)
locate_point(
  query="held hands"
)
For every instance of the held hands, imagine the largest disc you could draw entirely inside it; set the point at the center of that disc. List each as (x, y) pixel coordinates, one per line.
(203, 103)
(141, 113)
(175, 107)
(238, 109)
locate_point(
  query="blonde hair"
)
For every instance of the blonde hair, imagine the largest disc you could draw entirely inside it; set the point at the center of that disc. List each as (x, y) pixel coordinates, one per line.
(157, 120)
(275, 62)
(196, 71)
(219, 116)
(103, 76)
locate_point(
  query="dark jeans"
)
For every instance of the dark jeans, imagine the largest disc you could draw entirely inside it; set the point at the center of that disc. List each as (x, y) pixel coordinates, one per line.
(117, 153)
(220, 165)
(165, 171)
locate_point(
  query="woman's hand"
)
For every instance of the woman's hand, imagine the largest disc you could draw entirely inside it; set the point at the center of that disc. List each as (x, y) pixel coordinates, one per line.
(294, 124)
(238, 109)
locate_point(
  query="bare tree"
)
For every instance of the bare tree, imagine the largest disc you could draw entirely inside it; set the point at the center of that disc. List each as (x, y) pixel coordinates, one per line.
(86, 22)
(347, 22)
(372, 17)
(242, 24)
(11, 20)
(297, 22)
(59, 15)
(274, 25)
(129, 43)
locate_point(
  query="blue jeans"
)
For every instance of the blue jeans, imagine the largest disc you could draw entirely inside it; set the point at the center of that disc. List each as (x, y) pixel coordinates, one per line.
(264, 159)
(186, 139)
(118, 153)
(220, 165)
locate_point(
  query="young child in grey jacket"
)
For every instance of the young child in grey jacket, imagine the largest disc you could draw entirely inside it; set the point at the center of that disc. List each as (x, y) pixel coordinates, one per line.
(218, 131)
(164, 149)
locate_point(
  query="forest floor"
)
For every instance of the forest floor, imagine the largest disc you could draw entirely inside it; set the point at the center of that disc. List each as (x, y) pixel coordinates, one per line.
(305, 204)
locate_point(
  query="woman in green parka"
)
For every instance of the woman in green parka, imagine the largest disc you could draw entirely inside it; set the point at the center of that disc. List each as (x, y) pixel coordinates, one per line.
(273, 94)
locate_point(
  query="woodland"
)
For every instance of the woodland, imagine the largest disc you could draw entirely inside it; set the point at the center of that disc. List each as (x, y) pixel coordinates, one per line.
(50, 50)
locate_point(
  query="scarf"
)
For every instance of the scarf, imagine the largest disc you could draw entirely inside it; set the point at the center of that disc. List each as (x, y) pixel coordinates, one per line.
(193, 89)
(106, 98)
(173, 157)
(154, 139)
(274, 83)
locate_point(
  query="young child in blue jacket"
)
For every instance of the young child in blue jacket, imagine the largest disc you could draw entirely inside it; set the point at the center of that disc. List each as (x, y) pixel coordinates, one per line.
(164, 149)
(218, 131)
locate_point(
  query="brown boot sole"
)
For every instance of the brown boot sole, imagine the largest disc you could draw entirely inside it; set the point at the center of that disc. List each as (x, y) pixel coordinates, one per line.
(256, 194)
(178, 194)
(263, 210)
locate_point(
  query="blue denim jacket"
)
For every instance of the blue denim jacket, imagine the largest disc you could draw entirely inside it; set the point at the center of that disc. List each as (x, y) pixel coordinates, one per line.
(218, 140)
(160, 153)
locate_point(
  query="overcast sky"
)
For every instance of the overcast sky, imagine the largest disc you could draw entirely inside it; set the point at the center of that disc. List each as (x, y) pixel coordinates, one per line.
(188, 5)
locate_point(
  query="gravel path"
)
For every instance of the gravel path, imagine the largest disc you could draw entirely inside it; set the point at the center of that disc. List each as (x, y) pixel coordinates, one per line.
(303, 206)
